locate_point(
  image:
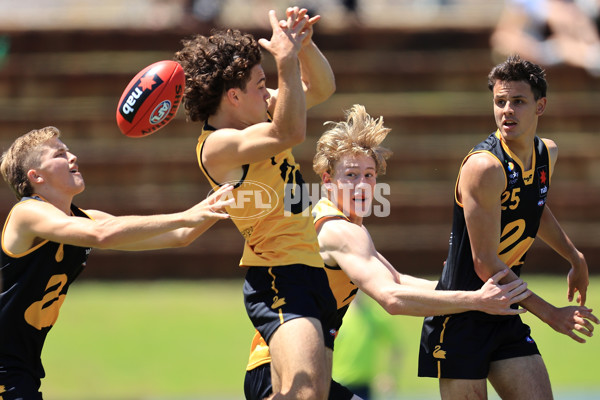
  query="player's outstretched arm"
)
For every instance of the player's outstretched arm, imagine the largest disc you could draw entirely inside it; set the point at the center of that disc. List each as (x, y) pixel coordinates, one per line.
(350, 247)
(213, 207)
(34, 220)
(492, 298)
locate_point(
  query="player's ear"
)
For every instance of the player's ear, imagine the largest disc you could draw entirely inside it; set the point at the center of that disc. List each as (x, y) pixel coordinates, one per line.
(232, 96)
(34, 177)
(326, 179)
(540, 106)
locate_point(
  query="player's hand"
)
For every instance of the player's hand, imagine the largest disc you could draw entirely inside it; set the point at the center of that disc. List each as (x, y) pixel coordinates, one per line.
(287, 38)
(571, 319)
(294, 16)
(213, 207)
(220, 199)
(578, 280)
(496, 298)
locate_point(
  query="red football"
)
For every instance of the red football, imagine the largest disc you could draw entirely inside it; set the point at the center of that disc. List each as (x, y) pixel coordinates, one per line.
(151, 99)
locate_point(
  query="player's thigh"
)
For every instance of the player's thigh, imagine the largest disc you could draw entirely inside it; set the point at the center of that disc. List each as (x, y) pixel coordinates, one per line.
(521, 378)
(299, 356)
(464, 389)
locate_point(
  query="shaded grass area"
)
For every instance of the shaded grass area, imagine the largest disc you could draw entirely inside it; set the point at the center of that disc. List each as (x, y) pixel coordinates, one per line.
(190, 340)
(148, 340)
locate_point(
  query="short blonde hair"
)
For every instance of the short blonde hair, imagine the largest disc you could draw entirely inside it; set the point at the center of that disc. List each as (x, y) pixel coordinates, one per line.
(23, 155)
(359, 134)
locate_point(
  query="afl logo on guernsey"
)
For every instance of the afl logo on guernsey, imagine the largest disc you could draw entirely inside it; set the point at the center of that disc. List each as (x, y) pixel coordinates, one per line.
(513, 176)
(252, 200)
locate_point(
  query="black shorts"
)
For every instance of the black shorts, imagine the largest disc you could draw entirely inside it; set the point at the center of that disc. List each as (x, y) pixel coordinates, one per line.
(462, 346)
(19, 387)
(275, 295)
(257, 382)
(257, 385)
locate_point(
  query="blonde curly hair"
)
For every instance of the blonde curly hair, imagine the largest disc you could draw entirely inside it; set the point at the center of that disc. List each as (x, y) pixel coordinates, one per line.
(358, 134)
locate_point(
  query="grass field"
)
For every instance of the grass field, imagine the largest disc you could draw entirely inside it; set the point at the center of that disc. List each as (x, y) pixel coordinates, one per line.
(190, 340)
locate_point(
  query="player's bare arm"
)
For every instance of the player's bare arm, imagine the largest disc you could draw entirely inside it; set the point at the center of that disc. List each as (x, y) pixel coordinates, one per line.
(493, 297)
(317, 76)
(552, 234)
(350, 247)
(315, 71)
(214, 206)
(34, 221)
(552, 153)
(479, 189)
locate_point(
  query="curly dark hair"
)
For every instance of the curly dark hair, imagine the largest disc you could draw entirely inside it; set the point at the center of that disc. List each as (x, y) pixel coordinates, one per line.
(517, 69)
(212, 66)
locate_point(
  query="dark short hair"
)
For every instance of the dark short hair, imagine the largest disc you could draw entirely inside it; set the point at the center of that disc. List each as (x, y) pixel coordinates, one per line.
(517, 69)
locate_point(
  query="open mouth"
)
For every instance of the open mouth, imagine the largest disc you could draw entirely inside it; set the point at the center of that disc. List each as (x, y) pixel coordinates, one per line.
(361, 199)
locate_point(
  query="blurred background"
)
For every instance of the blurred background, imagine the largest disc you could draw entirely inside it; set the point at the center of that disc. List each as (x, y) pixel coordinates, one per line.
(421, 64)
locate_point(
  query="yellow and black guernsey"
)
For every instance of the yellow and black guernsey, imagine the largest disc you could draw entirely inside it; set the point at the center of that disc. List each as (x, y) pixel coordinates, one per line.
(462, 346)
(523, 202)
(271, 210)
(343, 289)
(35, 284)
